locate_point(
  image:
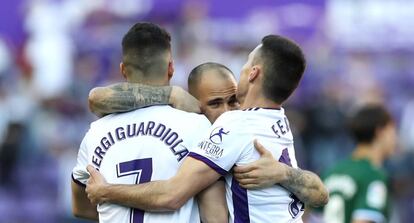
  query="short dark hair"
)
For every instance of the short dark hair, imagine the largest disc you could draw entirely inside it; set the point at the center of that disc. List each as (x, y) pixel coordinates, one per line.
(195, 75)
(283, 67)
(364, 123)
(143, 49)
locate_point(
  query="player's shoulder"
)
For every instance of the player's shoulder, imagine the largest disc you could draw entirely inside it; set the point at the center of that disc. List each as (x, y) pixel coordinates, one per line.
(231, 118)
(189, 117)
(101, 121)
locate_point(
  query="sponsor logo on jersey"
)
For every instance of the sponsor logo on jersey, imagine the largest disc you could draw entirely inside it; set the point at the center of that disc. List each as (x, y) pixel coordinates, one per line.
(216, 136)
(211, 149)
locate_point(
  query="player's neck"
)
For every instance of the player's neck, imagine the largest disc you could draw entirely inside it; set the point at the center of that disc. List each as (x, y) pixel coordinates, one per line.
(369, 152)
(149, 82)
(254, 101)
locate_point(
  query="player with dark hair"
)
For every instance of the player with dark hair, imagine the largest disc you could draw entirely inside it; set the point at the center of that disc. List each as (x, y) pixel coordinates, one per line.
(358, 185)
(146, 54)
(214, 85)
(144, 145)
(263, 118)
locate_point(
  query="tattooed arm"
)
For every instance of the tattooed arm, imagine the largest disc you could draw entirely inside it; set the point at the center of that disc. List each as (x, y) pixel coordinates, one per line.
(267, 171)
(123, 97)
(307, 186)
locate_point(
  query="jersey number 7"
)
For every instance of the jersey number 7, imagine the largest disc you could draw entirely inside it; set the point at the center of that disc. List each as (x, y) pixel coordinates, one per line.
(143, 169)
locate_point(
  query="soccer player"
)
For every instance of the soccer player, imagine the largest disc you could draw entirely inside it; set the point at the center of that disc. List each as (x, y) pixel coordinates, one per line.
(144, 145)
(213, 84)
(215, 87)
(270, 75)
(358, 185)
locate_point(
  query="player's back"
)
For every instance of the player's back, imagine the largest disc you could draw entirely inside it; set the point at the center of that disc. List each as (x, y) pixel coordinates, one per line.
(144, 145)
(230, 142)
(357, 189)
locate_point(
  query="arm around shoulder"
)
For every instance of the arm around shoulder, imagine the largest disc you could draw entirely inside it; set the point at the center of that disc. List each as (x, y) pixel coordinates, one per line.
(123, 97)
(267, 171)
(307, 186)
(192, 177)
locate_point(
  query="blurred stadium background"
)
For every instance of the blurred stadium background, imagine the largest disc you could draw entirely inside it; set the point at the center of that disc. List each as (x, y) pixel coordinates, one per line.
(52, 52)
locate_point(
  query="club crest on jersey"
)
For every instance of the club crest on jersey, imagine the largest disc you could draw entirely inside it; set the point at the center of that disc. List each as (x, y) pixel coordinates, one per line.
(216, 136)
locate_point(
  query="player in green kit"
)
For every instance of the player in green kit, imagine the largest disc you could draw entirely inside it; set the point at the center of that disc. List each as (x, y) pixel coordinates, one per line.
(358, 186)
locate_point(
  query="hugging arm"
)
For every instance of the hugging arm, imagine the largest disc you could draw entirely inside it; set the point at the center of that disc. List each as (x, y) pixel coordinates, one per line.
(192, 177)
(81, 206)
(123, 97)
(212, 203)
(267, 171)
(307, 186)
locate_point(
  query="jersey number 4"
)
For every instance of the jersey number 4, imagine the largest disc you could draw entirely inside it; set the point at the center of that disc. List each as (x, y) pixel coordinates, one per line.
(296, 205)
(143, 169)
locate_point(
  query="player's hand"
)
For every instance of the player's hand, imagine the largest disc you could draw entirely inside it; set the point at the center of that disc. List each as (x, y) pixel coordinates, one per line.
(95, 186)
(182, 100)
(264, 172)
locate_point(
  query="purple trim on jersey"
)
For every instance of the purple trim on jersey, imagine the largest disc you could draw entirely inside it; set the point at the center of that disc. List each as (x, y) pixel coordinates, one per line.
(78, 182)
(209, 163)
(240, 203)
(258, 108)
(270, 108)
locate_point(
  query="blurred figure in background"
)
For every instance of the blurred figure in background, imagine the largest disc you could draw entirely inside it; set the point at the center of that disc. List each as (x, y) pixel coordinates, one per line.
(358, 186)
(9, 151)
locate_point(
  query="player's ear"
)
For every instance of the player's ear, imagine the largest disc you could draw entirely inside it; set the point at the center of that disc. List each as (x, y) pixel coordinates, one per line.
(170, 69)
(122, 69)
(254, 73)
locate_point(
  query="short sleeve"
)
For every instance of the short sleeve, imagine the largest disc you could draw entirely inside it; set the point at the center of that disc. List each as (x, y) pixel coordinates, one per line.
(79, 172)
(198, 129)
(371, 202)
(221, 146)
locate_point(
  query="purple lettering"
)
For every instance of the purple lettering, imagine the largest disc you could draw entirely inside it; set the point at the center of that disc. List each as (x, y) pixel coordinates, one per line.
(105, 143)
(150, 126)
(181, 154)
(275, 131)
(171, 138)
(173, 146)
(287, 124)
(163, 137)
(129, 132)
(99, 152)
(281, 126)
(120, 134)
(111, 138)
(159, 130)
(141, 129)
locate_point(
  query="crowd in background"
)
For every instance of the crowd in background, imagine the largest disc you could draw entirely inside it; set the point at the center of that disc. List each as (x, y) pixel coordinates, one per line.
(52, 52)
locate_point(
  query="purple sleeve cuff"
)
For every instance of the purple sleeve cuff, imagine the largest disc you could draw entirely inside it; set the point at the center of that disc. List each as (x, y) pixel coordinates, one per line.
(209, 163)
(78, 182)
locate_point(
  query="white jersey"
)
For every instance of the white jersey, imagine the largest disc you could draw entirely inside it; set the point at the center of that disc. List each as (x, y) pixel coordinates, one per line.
(230, 142)
(144, 145)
